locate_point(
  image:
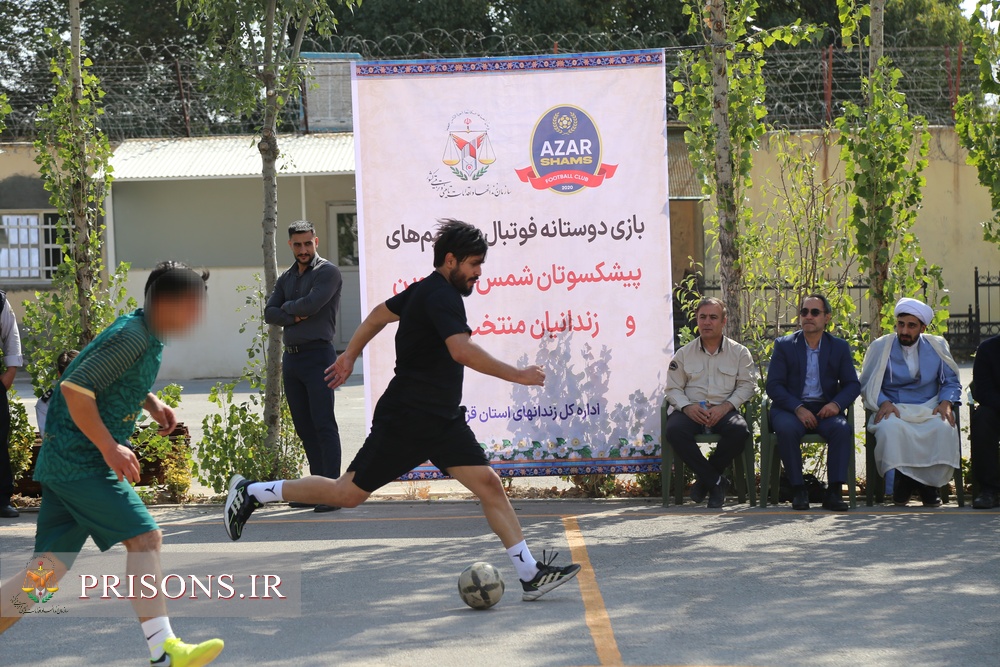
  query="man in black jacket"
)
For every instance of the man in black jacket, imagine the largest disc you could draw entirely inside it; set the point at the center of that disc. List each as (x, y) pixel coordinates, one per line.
(985, 423)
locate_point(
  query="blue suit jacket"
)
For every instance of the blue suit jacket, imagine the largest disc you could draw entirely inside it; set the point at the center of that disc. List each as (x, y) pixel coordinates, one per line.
(786, 375)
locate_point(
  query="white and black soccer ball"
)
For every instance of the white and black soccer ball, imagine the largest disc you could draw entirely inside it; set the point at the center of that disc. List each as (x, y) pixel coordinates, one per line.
(480, 585)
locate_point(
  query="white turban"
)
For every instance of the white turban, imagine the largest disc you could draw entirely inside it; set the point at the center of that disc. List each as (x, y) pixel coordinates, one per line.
(919, 309)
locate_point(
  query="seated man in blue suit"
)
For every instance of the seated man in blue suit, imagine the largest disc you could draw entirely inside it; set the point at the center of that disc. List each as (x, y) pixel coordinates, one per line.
(811, 381)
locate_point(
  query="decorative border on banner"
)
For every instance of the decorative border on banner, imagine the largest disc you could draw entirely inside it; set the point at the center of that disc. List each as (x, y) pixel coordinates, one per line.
(378, 68)
(551, 469)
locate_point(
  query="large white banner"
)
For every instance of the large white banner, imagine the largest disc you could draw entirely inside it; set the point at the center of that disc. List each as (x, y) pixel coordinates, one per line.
(562, 162)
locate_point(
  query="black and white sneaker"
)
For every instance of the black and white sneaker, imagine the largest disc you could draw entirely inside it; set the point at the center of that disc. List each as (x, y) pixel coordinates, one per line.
(548, 577)
(239, 506)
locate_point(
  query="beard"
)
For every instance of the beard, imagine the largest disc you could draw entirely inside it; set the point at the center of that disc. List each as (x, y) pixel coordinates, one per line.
(461, 283)
(907, 342)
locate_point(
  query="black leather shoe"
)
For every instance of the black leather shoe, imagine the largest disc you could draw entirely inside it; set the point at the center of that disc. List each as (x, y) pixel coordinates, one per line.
(930, 496)
(698, 491)
(902, 489)
(8, 511)
(298, 506)
(717, 494)
(325, 508)
(800, 498)
(834, 501)
(986, 500)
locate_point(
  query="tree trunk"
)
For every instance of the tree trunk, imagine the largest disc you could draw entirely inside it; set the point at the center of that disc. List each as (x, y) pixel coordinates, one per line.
(879, 272)
(725, 196)
(877, 35)
(268, 147)
(81, 224)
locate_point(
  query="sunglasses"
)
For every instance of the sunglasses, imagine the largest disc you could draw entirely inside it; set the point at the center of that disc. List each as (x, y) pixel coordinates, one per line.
(815, 312)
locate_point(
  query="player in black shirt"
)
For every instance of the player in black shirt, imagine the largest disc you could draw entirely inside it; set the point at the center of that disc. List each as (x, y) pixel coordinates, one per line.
(419, 417)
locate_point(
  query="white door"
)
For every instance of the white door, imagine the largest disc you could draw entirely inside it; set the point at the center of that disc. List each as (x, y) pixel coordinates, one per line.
(342, 245)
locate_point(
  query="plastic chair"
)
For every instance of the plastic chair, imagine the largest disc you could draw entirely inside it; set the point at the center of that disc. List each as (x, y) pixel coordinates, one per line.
(770, 463)
(875, 483)
(741, 471)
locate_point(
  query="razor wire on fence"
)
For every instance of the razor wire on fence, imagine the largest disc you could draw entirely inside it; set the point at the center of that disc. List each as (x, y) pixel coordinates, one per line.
(168, 91)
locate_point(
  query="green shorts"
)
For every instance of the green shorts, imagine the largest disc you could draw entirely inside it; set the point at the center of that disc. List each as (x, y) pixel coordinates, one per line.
(99, 507)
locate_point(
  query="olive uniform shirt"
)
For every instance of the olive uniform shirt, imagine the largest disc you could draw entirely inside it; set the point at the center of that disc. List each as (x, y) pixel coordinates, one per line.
(695, 375)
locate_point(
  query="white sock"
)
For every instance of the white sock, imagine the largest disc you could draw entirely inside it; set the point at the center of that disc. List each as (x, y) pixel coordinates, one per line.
(523, 561)
(157, 630)
(266, 492)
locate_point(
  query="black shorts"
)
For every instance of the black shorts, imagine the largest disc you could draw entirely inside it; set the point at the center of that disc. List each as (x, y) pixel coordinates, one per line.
(403, 438)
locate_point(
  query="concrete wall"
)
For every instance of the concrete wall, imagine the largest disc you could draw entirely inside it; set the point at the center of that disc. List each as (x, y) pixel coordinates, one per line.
(948, 224)
(214, 223)
(216, 348)
(20, 185)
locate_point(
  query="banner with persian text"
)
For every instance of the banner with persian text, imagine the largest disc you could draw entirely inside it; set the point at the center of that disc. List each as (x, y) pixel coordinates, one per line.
(561, 160)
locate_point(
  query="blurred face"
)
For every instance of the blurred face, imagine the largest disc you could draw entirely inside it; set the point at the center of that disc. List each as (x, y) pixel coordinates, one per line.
(303, 246)
(463, 275)
(812, 316)
(175, 315)
(710, 322)
(908, 329)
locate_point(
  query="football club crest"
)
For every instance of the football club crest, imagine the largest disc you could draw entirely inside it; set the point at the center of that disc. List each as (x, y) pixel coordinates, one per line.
(566, 152)
(468, 152)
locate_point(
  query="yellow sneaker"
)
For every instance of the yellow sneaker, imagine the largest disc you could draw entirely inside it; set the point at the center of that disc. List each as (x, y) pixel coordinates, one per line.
(178, 654)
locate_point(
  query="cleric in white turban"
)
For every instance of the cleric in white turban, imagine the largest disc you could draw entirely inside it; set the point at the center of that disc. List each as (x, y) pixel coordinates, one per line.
(910, 381)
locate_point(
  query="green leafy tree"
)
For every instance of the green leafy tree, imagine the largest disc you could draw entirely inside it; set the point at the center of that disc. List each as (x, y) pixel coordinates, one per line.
(977, 116)
(258, 70)
(720, 96)
(378, 19)
(4, 110)
(72, 156)
(884, 149)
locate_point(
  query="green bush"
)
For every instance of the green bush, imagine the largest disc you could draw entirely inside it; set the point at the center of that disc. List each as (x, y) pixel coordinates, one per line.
(234, 438)
(22, 436)
(174, 458)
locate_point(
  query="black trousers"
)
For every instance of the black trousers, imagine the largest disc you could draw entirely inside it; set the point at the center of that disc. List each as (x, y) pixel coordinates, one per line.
(6, 474)
(681, 432)
(985, 437)
(311, 404)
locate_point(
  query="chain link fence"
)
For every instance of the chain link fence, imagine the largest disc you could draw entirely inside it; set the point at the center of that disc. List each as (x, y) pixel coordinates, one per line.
(168, 92)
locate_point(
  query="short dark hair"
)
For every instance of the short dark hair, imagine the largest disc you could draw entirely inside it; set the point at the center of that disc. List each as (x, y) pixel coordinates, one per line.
(712, 301)
(301, 227)
(814, 295)
(458, 238)
(64, 360)
(173, 278)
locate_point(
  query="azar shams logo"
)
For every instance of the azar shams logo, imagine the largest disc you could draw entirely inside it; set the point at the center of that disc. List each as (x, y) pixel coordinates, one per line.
(566, 152)
(40, 580)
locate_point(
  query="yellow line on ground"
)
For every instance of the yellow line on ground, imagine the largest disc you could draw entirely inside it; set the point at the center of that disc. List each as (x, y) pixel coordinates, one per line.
(595, 613)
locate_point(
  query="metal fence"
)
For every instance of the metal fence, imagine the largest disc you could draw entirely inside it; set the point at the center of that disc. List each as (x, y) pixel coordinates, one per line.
(965, 330)
(168, 91)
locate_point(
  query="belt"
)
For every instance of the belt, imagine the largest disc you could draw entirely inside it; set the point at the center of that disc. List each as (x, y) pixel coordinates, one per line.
(306, 347)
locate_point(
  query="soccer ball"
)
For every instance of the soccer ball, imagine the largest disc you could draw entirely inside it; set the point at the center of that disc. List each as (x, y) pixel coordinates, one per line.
(480, 585)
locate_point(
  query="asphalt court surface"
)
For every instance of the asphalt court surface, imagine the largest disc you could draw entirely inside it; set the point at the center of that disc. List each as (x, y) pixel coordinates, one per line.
(677, 586)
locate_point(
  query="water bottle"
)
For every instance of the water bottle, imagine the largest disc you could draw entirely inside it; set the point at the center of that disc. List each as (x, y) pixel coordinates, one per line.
(704, 406)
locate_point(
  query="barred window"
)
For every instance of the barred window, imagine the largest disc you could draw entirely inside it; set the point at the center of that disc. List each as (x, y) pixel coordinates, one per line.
(30, 250)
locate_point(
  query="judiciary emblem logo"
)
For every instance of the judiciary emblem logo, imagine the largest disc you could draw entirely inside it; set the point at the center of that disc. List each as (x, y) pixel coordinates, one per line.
(566, 152)
(40, 580)
(468, 152)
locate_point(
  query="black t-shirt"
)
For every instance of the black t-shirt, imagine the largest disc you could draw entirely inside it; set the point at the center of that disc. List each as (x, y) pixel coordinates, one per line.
(427, 378)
